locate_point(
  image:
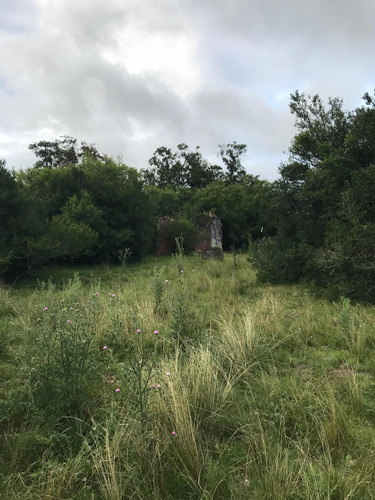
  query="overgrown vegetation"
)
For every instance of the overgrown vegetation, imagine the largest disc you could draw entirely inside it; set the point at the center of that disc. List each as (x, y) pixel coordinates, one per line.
(176, 379)
(315, 223)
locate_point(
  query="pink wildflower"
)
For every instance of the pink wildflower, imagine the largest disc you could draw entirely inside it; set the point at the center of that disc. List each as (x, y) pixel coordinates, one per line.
(46, 308)
(139, 330)
(156, 332)
(68, 321)
(105, 347)
(173, 433)
(117, 390)
(167, 374)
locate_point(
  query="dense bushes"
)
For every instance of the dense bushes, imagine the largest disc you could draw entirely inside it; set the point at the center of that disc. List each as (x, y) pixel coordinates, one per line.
(323, 205)
(91, 209)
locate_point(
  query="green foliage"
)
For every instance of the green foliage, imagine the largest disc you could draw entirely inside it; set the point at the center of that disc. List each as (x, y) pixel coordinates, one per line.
(231, 156)
(62, 152)
(274, 398)
(64, 367)
(180, 228)
(182, 168)
(9, 219)
(322, 205)
(64, 239)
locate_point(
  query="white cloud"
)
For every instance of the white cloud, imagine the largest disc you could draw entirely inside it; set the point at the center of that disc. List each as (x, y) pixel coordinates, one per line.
(132, 76)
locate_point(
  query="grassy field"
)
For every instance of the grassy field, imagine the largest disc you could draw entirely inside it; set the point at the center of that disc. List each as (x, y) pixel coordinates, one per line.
(175, 379)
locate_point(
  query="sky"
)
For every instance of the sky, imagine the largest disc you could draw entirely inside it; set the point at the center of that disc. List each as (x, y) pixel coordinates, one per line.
(132, 75)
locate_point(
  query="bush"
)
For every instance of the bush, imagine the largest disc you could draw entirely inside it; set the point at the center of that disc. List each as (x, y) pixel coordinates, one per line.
(180, 228)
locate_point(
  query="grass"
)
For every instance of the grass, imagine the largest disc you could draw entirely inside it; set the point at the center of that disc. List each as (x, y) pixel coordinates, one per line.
(246, 391)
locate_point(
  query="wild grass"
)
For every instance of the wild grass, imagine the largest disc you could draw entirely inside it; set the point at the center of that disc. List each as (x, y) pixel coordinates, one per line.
(175, 379)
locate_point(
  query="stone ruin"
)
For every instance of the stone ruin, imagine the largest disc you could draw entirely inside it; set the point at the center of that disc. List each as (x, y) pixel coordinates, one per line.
(162, 243)
(210, 244)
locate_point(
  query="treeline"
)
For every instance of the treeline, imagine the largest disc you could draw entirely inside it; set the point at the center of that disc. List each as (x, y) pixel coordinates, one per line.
(323, 206)
(316, 222)
(78, 205)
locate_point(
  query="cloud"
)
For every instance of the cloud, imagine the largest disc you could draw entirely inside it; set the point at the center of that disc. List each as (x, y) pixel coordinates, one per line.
(132, 76)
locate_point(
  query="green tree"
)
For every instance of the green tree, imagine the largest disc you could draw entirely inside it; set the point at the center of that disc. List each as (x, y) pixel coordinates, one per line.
(62, 152)
(9, 216)
(231, 156)
(182, 168)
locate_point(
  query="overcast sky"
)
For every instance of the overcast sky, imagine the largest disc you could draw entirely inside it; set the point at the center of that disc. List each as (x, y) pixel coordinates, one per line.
(133, 75)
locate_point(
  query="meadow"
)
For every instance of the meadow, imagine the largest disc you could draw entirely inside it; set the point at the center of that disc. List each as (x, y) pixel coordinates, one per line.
(175, 378)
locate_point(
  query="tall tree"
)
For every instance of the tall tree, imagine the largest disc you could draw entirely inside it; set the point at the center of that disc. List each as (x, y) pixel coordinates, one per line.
(231, 155)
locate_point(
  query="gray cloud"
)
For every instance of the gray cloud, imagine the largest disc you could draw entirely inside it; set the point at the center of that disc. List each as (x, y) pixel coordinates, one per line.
(131, 76)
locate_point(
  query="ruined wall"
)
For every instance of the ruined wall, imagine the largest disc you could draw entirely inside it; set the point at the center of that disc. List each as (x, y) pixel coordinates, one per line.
(211, 244)
(162, 242)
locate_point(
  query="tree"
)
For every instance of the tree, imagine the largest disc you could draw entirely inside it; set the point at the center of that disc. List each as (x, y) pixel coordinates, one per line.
(231, 156)
(182, 168)
(323, 203)
(9, 215)
(62, 152)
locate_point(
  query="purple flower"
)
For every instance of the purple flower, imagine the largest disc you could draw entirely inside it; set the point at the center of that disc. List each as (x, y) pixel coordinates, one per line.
(97, 293)
(46, 308)
(181, 271)
(113, 294)
(156, 332)
(72, 308)
(153, 386)
(167, 374)
(105, 347)
(117, 390)
(139, 330)
(68, 321)
(173, 433)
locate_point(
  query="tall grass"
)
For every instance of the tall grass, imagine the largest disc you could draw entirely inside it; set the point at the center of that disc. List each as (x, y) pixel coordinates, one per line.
(183, 385)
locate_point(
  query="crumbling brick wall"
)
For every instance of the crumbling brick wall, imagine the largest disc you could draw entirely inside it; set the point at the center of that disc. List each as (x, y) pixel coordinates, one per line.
(162, 241)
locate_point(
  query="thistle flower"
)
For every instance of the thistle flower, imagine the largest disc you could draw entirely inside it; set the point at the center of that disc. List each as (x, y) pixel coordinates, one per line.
(139, 330)
(117, 390)
(156, 332)
(105, 347)
(173, 433)
(46, 308)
